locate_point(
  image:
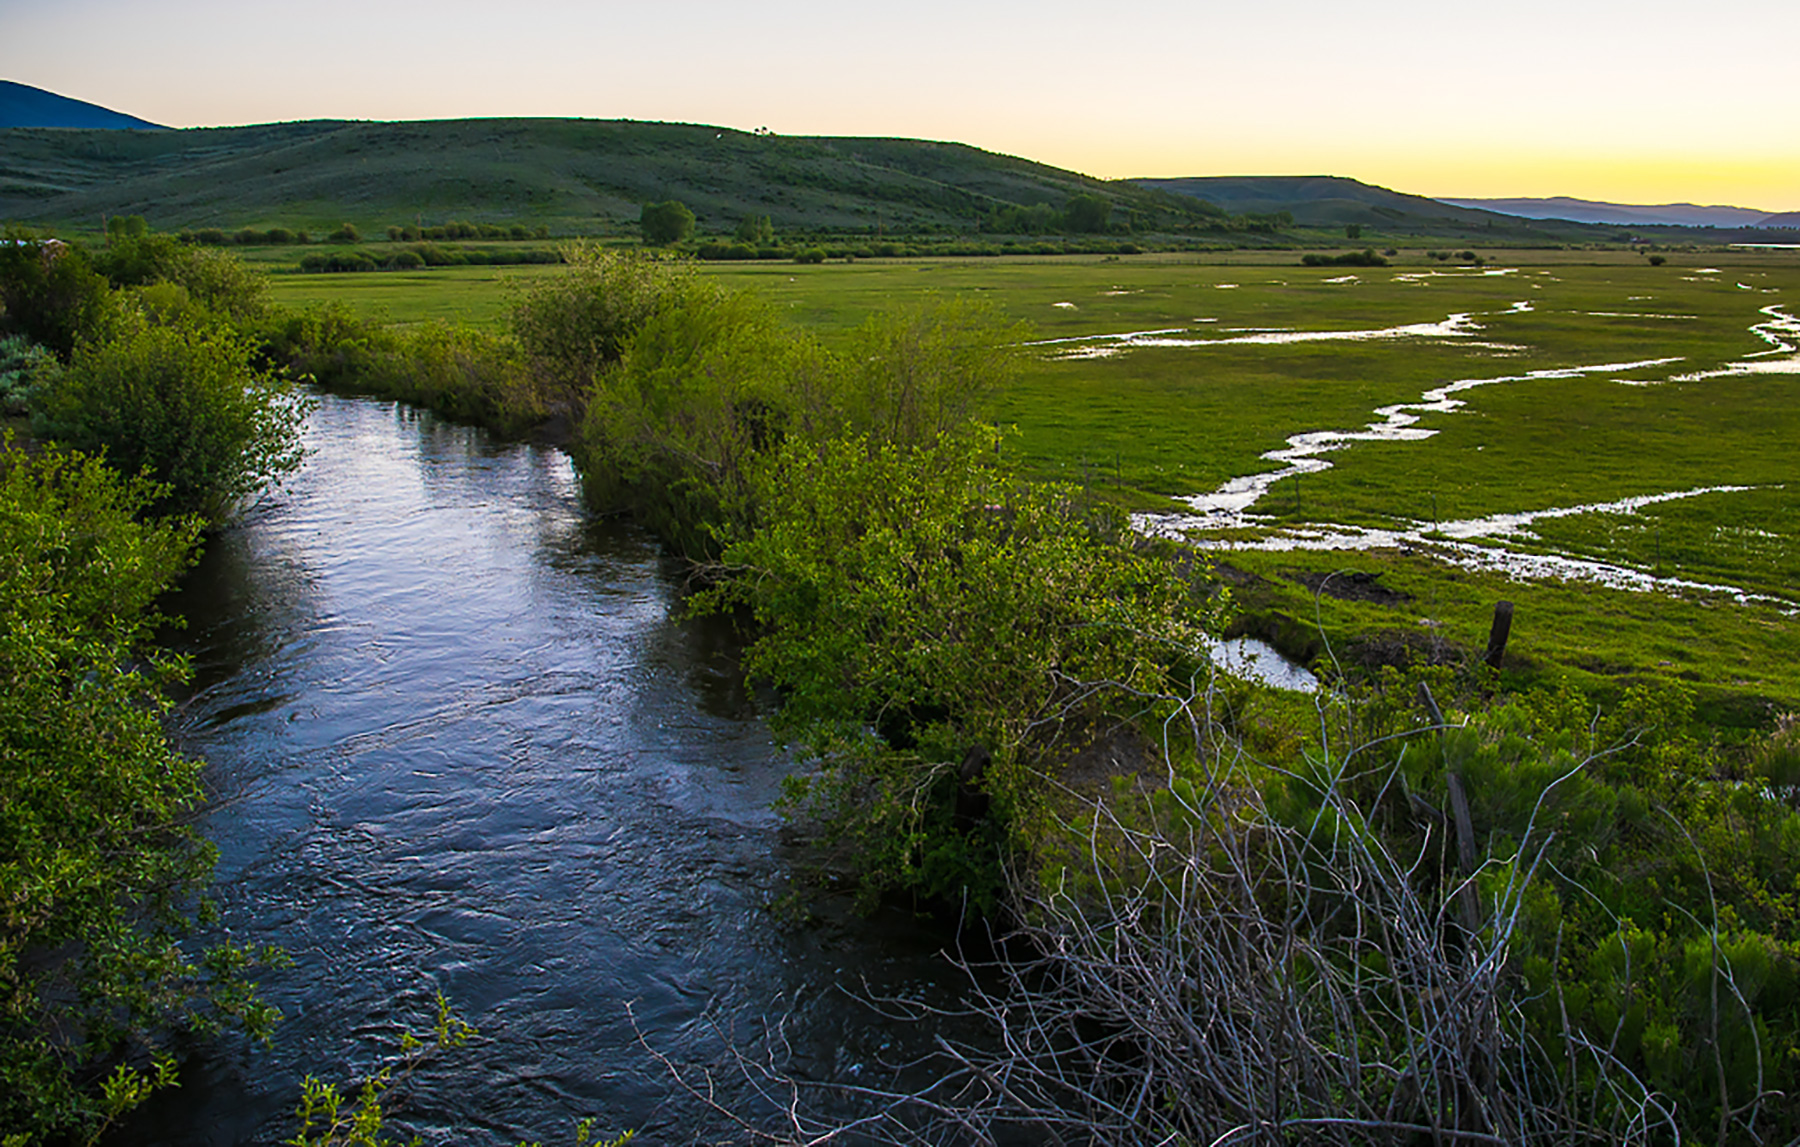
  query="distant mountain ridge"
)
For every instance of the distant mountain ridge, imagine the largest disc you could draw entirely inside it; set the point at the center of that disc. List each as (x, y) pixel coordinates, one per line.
(1598, 211)
(22, 105)
(1317, 200)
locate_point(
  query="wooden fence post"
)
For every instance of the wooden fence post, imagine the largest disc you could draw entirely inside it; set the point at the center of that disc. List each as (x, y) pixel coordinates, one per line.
(1502, 628)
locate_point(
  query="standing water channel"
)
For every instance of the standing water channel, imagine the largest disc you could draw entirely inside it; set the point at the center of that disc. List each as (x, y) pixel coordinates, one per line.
(461, 739)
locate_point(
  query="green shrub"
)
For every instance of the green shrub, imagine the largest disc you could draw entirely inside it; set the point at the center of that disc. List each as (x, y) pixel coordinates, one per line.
(812, 255)
(181, 404)
(667, 222)
(346, 233)
(23, 364)
(99, 862)
(1086, 213)
(461, 372)
(707, 383)
(922, 590)
(576, 324)
(1364, 258)
(217, 281)
(50, 293)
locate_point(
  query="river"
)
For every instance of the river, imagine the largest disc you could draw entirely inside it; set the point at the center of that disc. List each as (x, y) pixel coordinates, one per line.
(461, 739)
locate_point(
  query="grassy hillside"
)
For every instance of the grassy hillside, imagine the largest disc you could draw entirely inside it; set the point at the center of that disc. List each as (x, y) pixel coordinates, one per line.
(575, 176)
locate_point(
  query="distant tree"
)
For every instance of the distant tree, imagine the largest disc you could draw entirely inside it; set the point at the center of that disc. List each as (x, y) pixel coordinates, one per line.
(1353, 231)
(346, 234)
(667, 222)
(1086, 213)
(126, 227)
(756, 230)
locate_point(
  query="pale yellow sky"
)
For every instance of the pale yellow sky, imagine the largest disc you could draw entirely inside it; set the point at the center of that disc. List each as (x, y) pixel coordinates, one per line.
(1642, 102)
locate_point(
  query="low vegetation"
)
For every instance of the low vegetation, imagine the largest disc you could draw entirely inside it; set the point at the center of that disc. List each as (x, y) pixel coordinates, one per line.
(1549, 902)
(152, 424)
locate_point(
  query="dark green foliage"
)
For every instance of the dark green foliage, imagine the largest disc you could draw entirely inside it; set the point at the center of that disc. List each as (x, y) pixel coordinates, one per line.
(577, 324)
(23, 365)
(1363, 258)
(919, 587)
(467, 374)
(180, 403)
(214, 281)
(425, 254)
(708, 383)
(755, 231)
(1086, 214)
(346, 233)
(458, 371)
(49, 292)
(915, 373)
(811, 255)
(126, 227)
(667, 222)
(98, 868)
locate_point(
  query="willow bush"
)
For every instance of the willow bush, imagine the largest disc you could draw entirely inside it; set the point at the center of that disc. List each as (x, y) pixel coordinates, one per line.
(99, 865)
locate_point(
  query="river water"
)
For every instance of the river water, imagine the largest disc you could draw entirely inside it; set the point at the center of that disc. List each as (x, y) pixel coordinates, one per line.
(461, 739)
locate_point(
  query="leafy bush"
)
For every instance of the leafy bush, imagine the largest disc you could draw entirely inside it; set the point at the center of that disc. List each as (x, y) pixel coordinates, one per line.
(707, 382)
(23, 364)
(181, 404)
(461, 372)
(215, 280)
(1363, 258)
(915, 373)
(98, 863)
(667, 222)
(575, 325)
(813, 255)
(755, 231)
(455, 370)
(1086, 213)
(50, 293)
(922, 590)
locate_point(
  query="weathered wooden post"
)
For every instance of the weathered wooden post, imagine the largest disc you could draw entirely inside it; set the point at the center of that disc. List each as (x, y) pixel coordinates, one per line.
(1502, 628)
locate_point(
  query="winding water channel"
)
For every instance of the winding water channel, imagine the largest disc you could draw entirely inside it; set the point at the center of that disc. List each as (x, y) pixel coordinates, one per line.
(461, 740)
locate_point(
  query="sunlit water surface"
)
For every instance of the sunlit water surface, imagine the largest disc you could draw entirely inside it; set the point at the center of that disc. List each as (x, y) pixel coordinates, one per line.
(461, 740)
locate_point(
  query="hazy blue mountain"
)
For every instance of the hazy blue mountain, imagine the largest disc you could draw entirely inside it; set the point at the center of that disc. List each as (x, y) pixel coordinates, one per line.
(22, 105)
(1593, 211)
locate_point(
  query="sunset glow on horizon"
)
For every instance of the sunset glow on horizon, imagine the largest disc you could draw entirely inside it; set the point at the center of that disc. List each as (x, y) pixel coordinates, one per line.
(1640, 103)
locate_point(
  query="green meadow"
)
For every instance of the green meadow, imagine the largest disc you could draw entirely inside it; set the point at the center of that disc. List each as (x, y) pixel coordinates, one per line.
(1573, 408)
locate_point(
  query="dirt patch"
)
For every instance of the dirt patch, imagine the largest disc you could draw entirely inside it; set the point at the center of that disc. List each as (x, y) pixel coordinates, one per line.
(1401, 649)
(1353, 586)
(1120, 751)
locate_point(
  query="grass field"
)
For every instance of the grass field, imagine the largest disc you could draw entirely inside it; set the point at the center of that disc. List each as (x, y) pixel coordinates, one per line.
(1586, 379)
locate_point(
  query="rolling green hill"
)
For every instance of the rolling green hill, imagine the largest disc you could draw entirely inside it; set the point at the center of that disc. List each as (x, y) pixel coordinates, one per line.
(592, 177)
(586, 176)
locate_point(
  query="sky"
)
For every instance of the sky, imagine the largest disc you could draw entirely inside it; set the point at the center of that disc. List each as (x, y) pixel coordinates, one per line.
(1632, 101)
